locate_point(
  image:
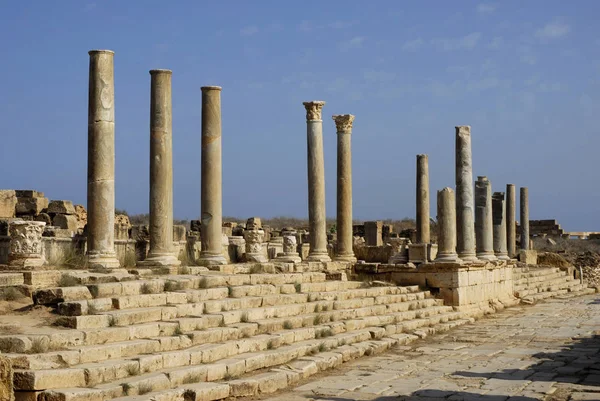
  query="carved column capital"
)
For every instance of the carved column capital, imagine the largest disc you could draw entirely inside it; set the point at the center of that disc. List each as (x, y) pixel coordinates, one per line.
(313, 110)
(343, 123)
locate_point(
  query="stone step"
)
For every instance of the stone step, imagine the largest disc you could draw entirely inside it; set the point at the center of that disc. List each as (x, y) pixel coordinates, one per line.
(535, 279)
(553, 285)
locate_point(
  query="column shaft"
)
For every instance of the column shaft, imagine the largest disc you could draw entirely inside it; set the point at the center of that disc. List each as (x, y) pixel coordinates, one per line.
(446, 214)
(465, 225)
(345, 241)
(161, 171)
(101, 162)
(511, 217)
(499, 217)
(211, 187)
(484, 226)
(316, 183)
(524, 198)
(423, 228)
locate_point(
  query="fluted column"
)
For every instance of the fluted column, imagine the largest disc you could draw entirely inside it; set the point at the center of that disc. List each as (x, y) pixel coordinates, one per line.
(423, 234)
(101, 162)
(161, 172)
(465, 224)
(316, 183)
(484, 227)
(524, 198)
(446, 216)
(343, 124)
(211, 187)
(499, 217)
(511, 217)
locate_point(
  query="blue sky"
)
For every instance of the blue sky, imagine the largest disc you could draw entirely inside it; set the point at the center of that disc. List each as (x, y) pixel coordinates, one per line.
(524, 75)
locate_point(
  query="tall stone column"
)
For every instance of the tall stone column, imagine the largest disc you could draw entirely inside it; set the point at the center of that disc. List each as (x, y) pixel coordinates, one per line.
(101, 162)
(211, 188)
(511, 217)
(343, 124)
(316, 183)
(499, 217)
(423, 234)
(446, 215)
(484, 227)
(161, 172)
(524, 198)
(465, 225)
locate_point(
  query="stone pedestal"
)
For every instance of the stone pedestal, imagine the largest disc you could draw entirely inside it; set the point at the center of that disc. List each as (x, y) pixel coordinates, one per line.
(374, 233)
(528, 256)
(344, 251)
(161, 173)
(254, 245)
(316, 183)
(524, 198)
(26, 245)
(418, 253)
(101, 162)
(465, 225)
(483, 219)
(446, 212)
(211, 185)
(399, 250)
(290, 248)
(423, 227)
(237, 244)
(511, 217)
(499, 218)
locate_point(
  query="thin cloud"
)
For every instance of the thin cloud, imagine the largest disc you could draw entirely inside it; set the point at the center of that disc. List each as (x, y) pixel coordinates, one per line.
(553, 30)
(354, 43)
(467, 42)
(486, 8)
(412, 45)
(249, 30)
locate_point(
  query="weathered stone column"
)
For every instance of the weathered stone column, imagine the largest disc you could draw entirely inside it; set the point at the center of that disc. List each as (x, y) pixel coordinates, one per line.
(446, 216)
(499, 217)
(484, 227)
(524, 198)
(343, 124)
(211, 188)
(423, 234)
(26, 244)
(316, 183)
(290, 247)
(161, 172)
(465, 226)
(101, 162)
(511, 217)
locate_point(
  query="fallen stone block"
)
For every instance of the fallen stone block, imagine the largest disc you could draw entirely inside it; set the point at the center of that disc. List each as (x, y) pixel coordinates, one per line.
(61, 207)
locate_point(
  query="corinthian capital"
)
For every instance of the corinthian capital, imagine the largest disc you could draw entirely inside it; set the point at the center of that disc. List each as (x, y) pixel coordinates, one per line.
(313, 109)
(343, 123)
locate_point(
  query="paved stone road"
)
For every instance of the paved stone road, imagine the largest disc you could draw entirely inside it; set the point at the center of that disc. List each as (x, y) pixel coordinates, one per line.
(549, 351)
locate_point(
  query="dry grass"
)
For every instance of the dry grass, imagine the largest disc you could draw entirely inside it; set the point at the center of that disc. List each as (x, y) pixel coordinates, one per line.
(552, 259)
(11, 294)
(128, 259)
(70, 258)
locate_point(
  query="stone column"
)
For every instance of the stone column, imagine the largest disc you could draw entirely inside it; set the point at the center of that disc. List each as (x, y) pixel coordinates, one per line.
(211, 191)
(524, 198)
(290, 247)
(26, 252)
(446, 216)
(484, 227)
(465, 226)
(101, 162)
(423, 235)
(511, 217)
(499, 218)
(161, 172)
(343, 124)
(316, 183)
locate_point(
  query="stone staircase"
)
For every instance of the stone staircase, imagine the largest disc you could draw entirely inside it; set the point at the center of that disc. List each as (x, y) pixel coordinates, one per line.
(532, 284)
(211, 335)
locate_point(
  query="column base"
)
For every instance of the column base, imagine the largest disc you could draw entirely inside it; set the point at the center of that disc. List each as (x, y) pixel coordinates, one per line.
(26, 263)
(256, 257)
(447, 258)
(502, 256)
(318, 257)
(468, 257)
(345, 258)
(288, 258)
(488, 257)
(103, 261)
(208, 259)
(159, 260)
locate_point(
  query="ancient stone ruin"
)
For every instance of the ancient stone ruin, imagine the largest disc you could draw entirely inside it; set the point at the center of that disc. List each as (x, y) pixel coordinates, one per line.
(219, 309)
